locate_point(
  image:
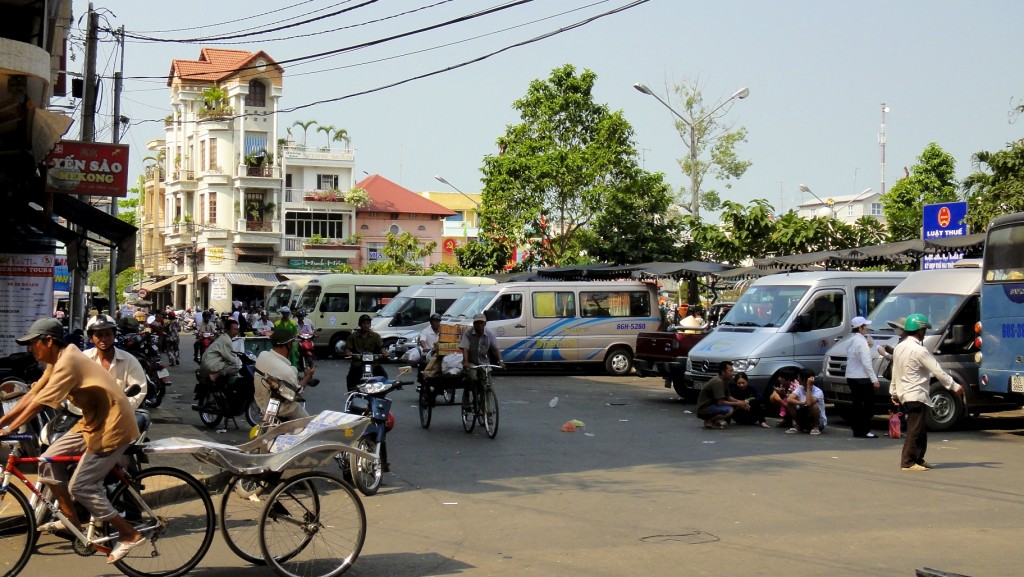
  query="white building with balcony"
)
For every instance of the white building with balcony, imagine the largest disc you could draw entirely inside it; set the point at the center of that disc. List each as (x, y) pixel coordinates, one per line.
(848, 208)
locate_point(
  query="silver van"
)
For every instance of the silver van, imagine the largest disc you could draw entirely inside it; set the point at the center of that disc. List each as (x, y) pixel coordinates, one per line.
(950, 300)
(787, 320)
(410, 310)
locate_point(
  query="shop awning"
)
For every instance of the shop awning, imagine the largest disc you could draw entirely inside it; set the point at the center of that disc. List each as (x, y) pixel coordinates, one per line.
(254, 251)
(252, 278)
(110, 228)
(188, 278)
(152, 286)
(300, 276)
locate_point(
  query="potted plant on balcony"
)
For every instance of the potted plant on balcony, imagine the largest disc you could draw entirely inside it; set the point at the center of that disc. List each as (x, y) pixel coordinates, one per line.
(215, 104)
(358, 197)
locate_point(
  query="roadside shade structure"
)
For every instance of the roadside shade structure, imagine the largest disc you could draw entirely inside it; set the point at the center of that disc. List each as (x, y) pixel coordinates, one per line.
(156, 285)
(902, 252)
(674, 270)
(252, 279)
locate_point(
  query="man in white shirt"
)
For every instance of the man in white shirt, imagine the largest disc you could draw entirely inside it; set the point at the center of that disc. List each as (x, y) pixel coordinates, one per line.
(912, 369)
(274, 363)
(263, 326)
(861, 378)
(430, 334)
(121, 365)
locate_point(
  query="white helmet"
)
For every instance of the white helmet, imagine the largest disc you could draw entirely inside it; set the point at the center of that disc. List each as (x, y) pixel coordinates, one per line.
(100, 323)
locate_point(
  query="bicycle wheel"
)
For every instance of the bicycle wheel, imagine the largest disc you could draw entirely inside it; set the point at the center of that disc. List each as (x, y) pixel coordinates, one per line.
(176, 516)
(366, 473)
(490, 406)
(313, 526)
(425, 406)
(468, 408)
(240, 507)
(17, 532)
(253, 413)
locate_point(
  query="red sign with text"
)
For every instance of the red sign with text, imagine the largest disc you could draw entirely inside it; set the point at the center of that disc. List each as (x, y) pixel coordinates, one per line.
(93, 168)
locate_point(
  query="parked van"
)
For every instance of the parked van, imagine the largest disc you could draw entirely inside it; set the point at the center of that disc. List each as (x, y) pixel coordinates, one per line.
(787, 320)
(334, 302)
(285, 294)
(410, 310)
(563, 322)
(950, 300)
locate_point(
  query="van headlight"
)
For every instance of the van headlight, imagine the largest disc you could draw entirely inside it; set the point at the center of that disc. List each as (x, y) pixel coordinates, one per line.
(744, 364)
(689, 364)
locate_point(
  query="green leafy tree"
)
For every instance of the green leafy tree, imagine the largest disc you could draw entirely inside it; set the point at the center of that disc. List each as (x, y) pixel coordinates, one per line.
(341, 135)
(483, 257)
(327, 129)
(711, 146)
(555, 168)
(403, 254)
(101, 280)
(304, 125)
(932, 179)
(128, 208)
(996, 187)
(634, 227)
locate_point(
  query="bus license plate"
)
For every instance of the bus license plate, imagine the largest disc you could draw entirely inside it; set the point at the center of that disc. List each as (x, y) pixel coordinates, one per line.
(1017, 383)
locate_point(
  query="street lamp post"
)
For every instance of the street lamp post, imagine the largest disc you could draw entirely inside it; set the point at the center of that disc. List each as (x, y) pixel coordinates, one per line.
(740, 94)
(441, 179)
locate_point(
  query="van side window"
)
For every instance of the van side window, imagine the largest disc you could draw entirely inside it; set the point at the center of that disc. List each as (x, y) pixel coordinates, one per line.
(442, 305)
(508, 306)
(615, 304)
(370, 299)
(966, 317)
(869, 297)
(554, 304)
(334, 303)
(826, 310)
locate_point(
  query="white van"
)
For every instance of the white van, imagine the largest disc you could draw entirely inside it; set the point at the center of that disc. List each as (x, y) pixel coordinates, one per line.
(285, 294)
(787, 320)
(950, 300)
(410, 310)
(334, 302)
(563, 322)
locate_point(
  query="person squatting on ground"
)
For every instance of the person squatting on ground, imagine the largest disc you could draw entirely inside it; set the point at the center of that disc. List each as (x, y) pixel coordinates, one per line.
(740, 389)
(806, 405)
(714, 403)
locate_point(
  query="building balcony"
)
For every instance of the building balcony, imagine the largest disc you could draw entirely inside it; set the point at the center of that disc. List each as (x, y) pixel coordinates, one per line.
(258, 233)
(459, 228)
(26, 65)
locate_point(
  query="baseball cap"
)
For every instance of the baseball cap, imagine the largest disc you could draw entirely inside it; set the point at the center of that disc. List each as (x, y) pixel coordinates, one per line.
(916, 322)
(858, 322)
(479, 317)
(42, 328)
(281, 336)
(284, 310)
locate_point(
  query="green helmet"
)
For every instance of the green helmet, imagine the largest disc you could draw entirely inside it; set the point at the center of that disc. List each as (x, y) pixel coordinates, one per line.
(916, 322)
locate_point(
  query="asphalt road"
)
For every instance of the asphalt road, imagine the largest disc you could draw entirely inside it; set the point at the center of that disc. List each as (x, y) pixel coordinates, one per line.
(643, 489)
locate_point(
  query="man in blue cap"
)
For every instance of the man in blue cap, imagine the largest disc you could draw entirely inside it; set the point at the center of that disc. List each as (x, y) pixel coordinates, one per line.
(913, 366)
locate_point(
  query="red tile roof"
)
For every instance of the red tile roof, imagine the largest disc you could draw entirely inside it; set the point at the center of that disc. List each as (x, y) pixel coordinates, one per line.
(214, 64)
(386, 196)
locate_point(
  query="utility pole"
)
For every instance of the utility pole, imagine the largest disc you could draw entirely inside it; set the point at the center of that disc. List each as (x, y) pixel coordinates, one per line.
(115, 137)
(195, 269)
(76, 302)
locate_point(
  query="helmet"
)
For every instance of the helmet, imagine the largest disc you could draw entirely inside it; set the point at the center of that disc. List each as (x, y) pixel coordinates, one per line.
(390, 422)
(140, 315)
(435, 317)
(100, 323)
(300, 312)
(916, 322)
(364, 318)
(285, 310)
(171, 315)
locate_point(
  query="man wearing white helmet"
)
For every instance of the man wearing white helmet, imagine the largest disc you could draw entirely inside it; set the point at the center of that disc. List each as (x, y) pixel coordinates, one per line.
(121, 365)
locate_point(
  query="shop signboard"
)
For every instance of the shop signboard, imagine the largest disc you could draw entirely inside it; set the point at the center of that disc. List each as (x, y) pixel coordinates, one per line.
(943, 220)
(88, 168)
(26, 295)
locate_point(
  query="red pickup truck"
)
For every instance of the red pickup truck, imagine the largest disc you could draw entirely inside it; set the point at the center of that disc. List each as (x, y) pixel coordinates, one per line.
(664, 354)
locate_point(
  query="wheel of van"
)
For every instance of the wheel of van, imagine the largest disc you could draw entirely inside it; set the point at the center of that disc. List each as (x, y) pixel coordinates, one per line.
(337, 346)
(947, 409)
(619, 362)
(678, 381)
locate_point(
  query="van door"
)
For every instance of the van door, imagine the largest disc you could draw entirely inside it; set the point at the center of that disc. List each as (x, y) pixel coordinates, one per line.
(505, 317)
(548, 337)
(821, 323)
(333, 315)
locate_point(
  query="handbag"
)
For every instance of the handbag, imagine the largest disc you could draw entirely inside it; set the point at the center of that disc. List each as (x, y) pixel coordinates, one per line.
(894, 424)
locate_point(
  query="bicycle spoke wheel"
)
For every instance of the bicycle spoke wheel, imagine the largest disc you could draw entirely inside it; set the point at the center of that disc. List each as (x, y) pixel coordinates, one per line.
(490, 403)
(313, 526)
(177, 520)
(425, 408)
(240, 508)
(17, 532)
(468, 408)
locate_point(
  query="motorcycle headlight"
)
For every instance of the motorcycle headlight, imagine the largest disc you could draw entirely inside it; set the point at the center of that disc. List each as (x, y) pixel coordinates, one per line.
(367, 357)
(744, 364)
(373, 387)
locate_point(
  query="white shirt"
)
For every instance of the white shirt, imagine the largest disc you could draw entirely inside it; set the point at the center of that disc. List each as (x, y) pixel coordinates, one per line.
(427, 339)
(273, 364)
(800, 392)
(912, 369)
(126, 370)
(858, 359)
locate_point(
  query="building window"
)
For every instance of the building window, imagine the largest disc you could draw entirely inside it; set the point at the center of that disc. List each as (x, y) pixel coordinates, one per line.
(213, 155)
(202, 208)
(374, 251)
(421, 227)
(393, 229)
(849, 210)
(257, 94)
(306, 224)
(202, 156)
(459, 216)
(327, 181)
(364, 227)
(876, 209)
(213, 208)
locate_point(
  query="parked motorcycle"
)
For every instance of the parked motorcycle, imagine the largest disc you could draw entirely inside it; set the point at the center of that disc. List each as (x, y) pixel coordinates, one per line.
(226, 400)
(143, 346)
(370, 400)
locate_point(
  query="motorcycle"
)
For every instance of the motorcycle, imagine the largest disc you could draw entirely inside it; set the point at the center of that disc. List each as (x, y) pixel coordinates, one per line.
(305, 343)
(370, 400)
(205, 339)
(362, 365)
(222, 400)
(143, 346)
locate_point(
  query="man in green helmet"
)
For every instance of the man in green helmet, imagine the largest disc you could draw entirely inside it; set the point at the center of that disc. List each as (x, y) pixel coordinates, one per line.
(913, 367)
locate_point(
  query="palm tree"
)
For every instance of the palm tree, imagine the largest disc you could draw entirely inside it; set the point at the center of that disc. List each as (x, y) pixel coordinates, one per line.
(305, 128)
(327, 129)
(341, 135)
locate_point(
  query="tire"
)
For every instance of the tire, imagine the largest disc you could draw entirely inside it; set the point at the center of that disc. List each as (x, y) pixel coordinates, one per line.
(211, 420)
(336, 348)
(366, 473)
(468, 408)
(180, 536)
(17, 532)
(240, 508)
(619, 362)
(253, 414)
(314, 525)
(154, 394)
(425, 402)
(947, 409)
(679, 386)
(490, 409)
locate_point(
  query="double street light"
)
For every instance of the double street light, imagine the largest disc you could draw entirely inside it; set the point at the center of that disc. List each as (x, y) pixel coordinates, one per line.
(739, 94)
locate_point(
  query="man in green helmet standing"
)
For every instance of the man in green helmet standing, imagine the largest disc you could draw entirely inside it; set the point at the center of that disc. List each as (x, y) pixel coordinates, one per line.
(913, 366)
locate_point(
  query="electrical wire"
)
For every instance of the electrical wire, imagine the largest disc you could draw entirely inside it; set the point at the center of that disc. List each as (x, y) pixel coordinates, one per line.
(235, 20)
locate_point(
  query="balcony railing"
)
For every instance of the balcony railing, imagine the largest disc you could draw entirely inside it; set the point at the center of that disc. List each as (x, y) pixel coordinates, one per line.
(259, 226)
(181, 174)
(262, 171)
(316, 153)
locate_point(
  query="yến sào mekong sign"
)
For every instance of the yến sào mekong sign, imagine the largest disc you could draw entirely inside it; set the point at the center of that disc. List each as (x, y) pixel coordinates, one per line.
(93, 168)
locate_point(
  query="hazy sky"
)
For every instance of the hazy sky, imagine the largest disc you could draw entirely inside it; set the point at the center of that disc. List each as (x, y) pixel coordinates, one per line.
(818, 72)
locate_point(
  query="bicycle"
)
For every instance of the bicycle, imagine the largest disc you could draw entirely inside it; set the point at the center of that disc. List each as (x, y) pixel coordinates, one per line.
(168, 506)
(480, 402)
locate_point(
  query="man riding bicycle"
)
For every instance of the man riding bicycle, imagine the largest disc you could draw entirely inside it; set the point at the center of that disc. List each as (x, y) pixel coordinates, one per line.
(479, 345)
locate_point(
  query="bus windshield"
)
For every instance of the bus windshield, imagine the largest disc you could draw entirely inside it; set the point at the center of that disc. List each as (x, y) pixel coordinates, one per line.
(279, 298)
(396, 306)
(765, 306)
(1004, 259)
(470, 304)
(937, 307)
(309, 297)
